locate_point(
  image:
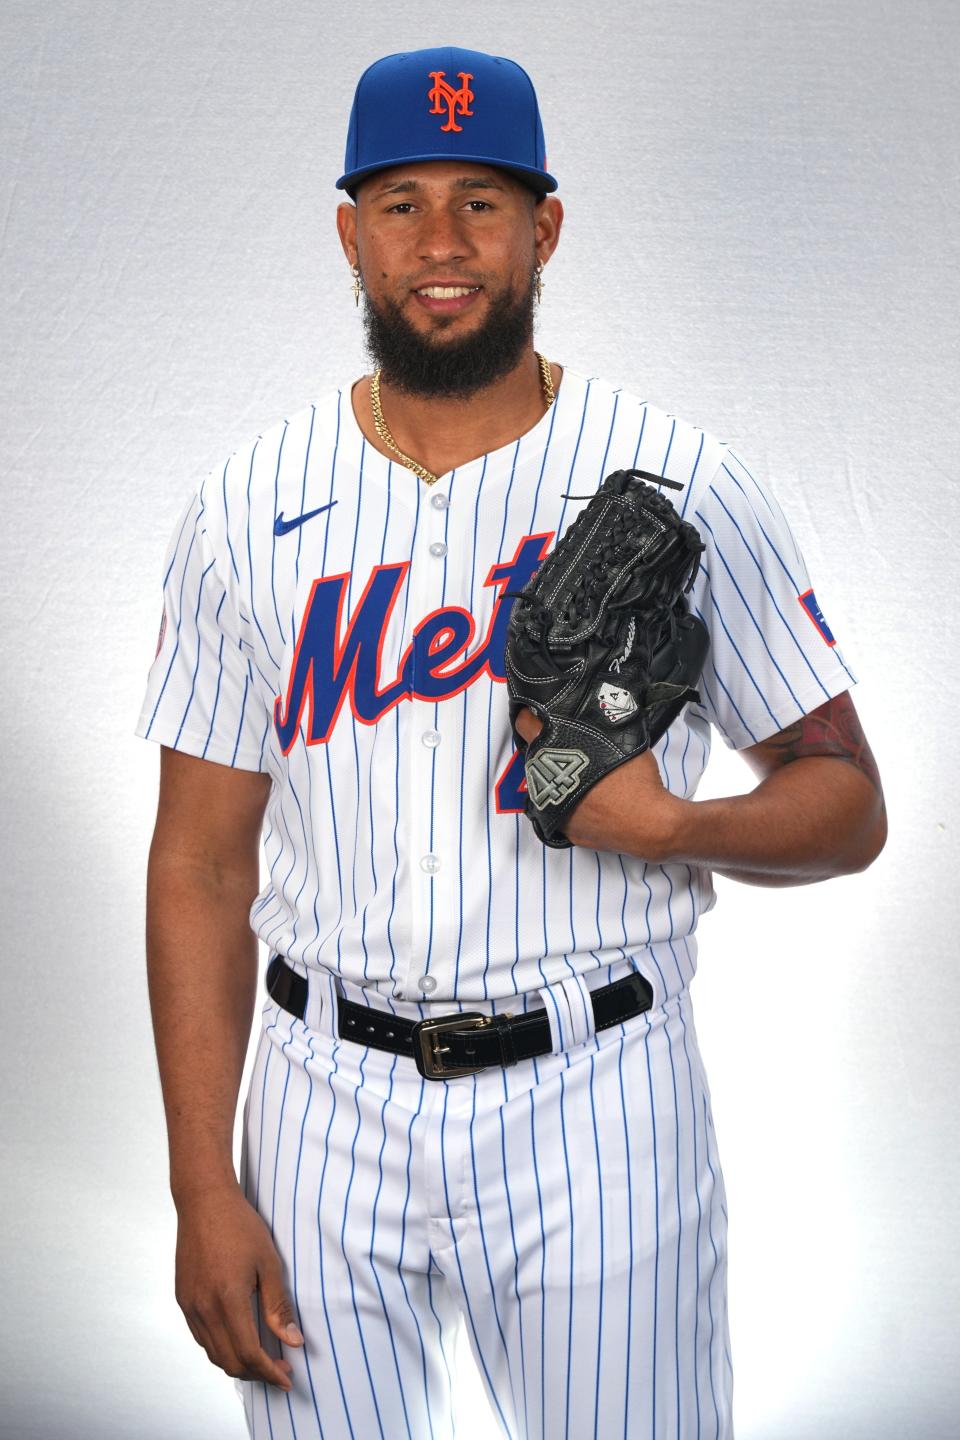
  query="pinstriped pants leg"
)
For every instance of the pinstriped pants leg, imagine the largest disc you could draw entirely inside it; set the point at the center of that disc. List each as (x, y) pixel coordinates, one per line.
(568, 1211)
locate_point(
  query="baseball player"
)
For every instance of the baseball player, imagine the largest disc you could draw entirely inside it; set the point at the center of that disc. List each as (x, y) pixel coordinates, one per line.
(477, 1098)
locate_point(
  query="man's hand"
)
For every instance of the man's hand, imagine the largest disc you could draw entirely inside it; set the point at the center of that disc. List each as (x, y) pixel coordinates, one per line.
(634, 788)
(224, 1254)
(817, 812)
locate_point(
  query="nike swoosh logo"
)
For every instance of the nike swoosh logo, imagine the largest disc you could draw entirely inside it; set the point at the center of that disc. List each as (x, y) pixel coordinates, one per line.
(283, 527)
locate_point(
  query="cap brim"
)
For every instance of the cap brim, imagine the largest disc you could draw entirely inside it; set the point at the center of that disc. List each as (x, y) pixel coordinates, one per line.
(537, 179)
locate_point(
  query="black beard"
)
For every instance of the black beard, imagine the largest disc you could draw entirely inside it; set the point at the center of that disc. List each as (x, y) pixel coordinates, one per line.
(418, 365)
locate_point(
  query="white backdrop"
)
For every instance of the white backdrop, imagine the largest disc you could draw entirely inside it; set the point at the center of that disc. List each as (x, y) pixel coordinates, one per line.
(761, 236)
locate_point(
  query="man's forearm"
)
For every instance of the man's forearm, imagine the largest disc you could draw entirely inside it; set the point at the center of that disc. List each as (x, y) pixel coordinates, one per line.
(201, 970)
(809, 820)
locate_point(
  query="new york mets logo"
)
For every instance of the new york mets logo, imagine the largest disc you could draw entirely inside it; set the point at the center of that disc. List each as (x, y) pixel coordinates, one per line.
(457, 102)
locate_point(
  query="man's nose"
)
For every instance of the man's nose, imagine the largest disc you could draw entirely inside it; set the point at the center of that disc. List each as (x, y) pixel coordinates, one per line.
(442, 238)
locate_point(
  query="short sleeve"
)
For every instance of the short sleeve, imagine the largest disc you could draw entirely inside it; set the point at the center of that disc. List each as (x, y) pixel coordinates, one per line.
(773, 657)
(201, 697)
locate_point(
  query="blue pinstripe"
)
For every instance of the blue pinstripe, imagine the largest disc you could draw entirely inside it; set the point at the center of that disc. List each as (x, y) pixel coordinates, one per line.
(787, 625)
(226, 513)
(503, 531)
(664, 466)
(273, 546)
(433, 756)
(353, 722)
(769, 500)
(543, 1257)
(273, 1193)
(599, 1175)
(505, 1170)
(573, 462)
(376, 737)
(643, 421)
(463, 738)
(263, 740)
(656, 1204)
(243, 708)
(177, 645)
(263, 1092)
(483, 1242)
(739, 654)
(373, 1233)
(606, 449)
(303, 489)
(216, 697)
(396, 822)
(716, 1261)
(323, 1284)
(296, 1291)
(196, 667)
(433, 1311)
(326, 538)
(423, 1355)
(756, 624)
(470, 1315)
(773, 549)
(693, 476)
(632, 1267)
(345, 1251)
(566, 1167)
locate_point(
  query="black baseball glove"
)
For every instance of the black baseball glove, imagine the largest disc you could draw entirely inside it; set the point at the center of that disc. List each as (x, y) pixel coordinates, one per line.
(601, 645)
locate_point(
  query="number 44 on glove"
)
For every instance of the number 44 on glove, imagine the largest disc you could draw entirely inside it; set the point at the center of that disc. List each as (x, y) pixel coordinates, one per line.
(601, 644)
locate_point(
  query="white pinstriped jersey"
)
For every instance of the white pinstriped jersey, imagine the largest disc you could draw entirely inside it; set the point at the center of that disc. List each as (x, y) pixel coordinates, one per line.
(357, 657)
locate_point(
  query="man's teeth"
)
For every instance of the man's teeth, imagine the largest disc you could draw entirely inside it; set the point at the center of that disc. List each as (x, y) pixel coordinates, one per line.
(447, 292)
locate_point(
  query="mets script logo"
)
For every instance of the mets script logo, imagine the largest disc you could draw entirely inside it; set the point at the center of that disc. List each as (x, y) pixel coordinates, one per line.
(333, 663)
(457, 102)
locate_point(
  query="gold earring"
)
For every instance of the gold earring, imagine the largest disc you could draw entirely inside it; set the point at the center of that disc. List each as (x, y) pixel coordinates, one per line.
(357, 284)
(539, 282)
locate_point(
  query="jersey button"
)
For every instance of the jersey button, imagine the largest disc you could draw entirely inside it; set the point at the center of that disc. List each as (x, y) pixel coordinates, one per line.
(439, 502)
(431, 738)
(438, 548)
(430, 863)
(427, 984)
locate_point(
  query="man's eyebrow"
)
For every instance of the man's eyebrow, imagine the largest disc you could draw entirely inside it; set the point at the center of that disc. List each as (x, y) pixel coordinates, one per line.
(466, 182)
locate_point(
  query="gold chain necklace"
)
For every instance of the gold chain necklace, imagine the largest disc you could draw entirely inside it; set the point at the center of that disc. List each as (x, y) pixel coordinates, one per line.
(549, 395)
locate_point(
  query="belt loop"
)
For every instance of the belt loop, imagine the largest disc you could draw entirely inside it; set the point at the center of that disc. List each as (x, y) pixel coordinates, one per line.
(570, 1012)
(321, 1012)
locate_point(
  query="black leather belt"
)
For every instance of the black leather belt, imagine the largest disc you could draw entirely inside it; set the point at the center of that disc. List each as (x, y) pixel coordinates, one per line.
(463, 1042)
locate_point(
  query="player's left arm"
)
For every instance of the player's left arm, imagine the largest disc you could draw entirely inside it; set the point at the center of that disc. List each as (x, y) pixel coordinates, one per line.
(819, 781)
(817, 812)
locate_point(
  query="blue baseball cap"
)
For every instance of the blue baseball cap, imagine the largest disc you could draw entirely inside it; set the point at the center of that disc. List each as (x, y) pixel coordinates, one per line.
(446, 104)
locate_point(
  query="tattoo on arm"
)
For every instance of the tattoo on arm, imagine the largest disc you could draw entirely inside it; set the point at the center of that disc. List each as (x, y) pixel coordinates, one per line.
(832, 729)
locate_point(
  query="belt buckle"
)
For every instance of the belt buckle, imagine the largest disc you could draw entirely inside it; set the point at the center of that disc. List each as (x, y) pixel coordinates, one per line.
(427, 1050)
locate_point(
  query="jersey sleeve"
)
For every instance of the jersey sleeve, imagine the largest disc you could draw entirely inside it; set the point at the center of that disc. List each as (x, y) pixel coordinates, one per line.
(772, 658)
(201, 697)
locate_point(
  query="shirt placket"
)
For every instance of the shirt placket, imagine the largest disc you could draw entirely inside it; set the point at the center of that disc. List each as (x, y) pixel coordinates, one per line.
(431, 857)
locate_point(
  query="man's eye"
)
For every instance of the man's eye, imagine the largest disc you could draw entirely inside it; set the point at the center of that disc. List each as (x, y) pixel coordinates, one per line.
(400, 205)
(484, 204)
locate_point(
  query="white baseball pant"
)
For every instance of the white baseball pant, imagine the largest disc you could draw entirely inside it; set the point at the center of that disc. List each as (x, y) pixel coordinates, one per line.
(569, 1210)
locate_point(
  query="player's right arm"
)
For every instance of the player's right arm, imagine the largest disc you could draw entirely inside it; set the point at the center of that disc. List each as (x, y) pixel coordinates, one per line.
(203, 876)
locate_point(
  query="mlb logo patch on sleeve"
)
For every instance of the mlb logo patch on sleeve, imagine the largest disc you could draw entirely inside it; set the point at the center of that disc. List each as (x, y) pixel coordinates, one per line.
(809, 602)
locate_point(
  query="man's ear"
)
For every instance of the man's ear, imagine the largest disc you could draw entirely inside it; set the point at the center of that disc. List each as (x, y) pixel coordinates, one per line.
(347, 230)
(548, 218)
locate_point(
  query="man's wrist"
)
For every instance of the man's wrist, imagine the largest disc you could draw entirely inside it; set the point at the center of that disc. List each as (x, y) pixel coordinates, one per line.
(670, 834)
(188, 1190)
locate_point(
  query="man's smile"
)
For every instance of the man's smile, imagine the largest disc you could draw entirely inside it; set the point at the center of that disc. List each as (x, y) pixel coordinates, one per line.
(447, 299)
